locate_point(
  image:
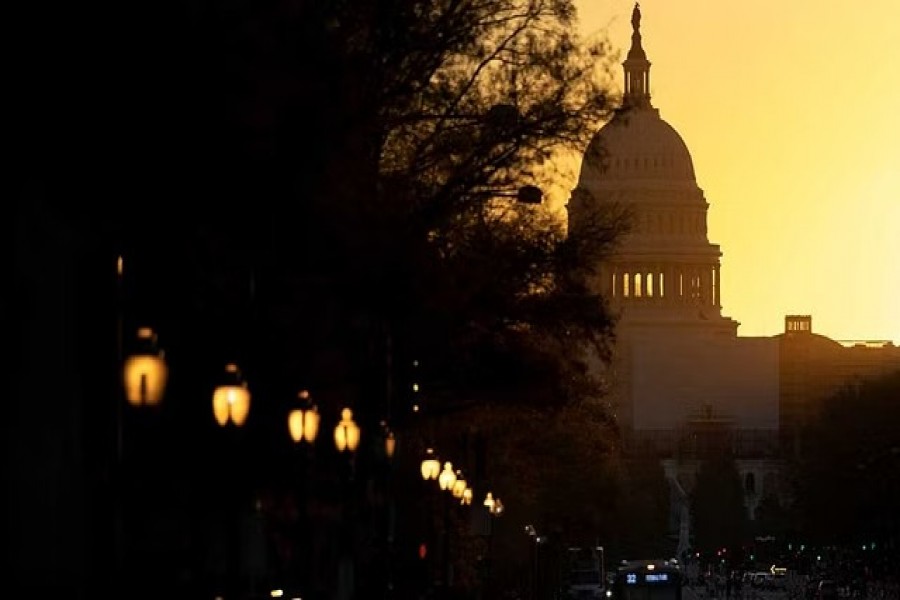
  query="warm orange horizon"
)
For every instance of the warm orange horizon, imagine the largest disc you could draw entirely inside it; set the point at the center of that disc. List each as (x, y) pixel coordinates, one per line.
(788, 109)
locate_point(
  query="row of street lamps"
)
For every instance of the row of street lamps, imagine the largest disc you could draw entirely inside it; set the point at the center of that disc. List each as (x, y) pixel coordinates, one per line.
(145, 375)
(454, 482)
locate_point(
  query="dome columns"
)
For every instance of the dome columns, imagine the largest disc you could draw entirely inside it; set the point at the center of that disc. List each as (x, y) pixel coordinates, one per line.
(687, 284)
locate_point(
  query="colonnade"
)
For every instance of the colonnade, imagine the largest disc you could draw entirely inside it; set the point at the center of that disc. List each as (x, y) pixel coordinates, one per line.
(682, 284)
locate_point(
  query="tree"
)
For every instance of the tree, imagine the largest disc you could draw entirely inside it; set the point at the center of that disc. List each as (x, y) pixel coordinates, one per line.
(641, 511)
(371, 150)
(772, 518)
(323, 186)
(849, 465)
(553, 468)
(717, 506)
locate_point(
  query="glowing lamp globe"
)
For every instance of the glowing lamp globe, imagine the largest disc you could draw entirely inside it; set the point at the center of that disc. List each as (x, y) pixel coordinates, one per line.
(231, 400)
(459, 486)
(431, 466)
(145, 372)
(346, 434)
(303, 423)
(447, 477)
(390, 444)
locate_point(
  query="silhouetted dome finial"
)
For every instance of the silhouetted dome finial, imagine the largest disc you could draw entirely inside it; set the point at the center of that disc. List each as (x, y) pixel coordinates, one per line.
(636, 50)
(637, 67)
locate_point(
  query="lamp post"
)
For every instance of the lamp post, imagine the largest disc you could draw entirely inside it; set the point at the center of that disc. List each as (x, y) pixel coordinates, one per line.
(346, 440)
(446, 481)
(346, 433)
(535, 558)
(430, 469)
(602, 554)
(390, 512)
(231, 399)
(431, 466)
(494, 507)
(303, 422)
(303, 426)
(144, 375)
(231, 408)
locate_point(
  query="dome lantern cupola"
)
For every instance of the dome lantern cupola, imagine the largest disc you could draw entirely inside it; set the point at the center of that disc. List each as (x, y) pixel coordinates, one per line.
(637, 67)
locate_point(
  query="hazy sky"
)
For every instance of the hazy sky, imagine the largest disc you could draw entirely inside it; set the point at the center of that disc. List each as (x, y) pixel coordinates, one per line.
(790, 111)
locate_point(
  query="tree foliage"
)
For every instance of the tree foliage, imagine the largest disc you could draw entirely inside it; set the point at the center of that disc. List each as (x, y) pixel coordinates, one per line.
(773, 518)
(373, 151)
(846, 475)
(717, 506)
(324, 190)
(640, 515)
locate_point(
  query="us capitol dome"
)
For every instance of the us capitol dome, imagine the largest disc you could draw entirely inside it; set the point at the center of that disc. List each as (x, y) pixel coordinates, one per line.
(665, 270)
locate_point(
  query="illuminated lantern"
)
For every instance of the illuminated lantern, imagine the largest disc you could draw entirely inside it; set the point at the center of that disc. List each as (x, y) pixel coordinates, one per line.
(459, 486)
(145, 373)
(346, 434)
(303, 423)
(494, 505)
(431, 467)
(447, 477)
(466, 499)
(390, 444)
(231, 400)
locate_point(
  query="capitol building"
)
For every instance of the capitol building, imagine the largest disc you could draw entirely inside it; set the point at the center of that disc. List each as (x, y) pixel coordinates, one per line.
(685, 386)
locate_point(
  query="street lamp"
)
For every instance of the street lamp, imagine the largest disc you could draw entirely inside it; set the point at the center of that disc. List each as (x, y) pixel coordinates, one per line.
(459, 486)
(602, 552)
(145, 372)
(144, 375)
(447, 480)
(494, 509)
(303, 423)
(527, 194)
(535, 555)
(530, 194)
(231, 400)
(390, 444)
(346, 433)
(431, 466)
(493, 505)
(447, 477)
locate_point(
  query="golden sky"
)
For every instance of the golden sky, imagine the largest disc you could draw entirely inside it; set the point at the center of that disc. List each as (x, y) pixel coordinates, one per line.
(791, 111)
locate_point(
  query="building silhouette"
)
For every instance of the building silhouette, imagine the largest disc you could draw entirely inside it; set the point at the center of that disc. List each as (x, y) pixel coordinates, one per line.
(685, 386)
(813, 367)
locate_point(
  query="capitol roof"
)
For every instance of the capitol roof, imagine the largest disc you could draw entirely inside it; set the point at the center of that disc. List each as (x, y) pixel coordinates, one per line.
(636, 144)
